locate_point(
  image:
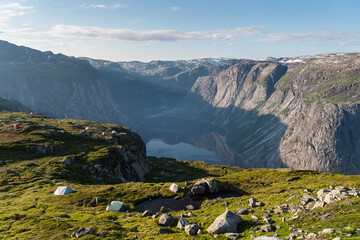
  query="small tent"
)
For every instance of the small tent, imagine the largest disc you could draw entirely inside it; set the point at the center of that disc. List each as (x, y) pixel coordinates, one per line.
(16, 126)
(114, 132)
(63, 190)
(115, 206)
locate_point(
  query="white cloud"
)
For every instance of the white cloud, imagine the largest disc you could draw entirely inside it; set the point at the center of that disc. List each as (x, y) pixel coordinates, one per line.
(152, 36)
(175, 9)
(97, 6)
(15, 6)
(102, 6)
(9, 10)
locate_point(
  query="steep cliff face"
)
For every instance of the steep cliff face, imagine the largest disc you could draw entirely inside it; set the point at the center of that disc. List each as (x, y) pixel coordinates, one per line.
(304, 117)
(8, 104)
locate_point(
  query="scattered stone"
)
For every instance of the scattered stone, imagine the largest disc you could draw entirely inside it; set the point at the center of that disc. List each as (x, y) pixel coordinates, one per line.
(95, 201)
(182, 223)
(191, 229)
(190, 207)
(135, 237)
(163, 230)
(29, 164)
(68, 161)
(288, 208)
(254, 217)
(148, 213)
(190, 214)
(266, 238)
(326, 216)
(241, 211)
(233, 235)
(166, 220)
(267, 228)
(226, 222)
(174, 188)
(82, 232)
(267, 220)
(327, 231)
(200, 232)
(311, 236)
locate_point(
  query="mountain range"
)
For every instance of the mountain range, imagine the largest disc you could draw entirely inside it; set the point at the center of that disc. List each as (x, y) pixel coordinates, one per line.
(300, 113)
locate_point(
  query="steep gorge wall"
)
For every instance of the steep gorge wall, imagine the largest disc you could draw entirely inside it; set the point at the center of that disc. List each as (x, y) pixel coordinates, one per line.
(272, 123)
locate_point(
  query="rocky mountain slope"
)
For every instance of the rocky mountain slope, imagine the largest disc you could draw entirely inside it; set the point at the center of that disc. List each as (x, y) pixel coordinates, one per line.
(9, 104)
(55, 85)
(103, 166)
(298, 113)
(300, 116)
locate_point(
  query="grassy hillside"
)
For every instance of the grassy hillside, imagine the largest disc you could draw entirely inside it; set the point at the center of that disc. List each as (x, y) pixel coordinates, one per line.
(30, 210)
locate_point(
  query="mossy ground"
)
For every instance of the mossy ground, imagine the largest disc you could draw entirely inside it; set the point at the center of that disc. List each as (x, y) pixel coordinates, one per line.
(30, 210)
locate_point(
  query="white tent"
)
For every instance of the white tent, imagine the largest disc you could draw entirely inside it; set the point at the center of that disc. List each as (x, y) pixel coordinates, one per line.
(63, 190)
(115, 206)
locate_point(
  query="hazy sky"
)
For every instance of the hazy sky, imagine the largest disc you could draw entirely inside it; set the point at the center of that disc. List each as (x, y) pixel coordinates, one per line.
(182, 29)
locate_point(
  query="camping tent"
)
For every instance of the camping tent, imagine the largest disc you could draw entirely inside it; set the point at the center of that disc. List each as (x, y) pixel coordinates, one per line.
(63, 190)
(15, 126)
(115, 206)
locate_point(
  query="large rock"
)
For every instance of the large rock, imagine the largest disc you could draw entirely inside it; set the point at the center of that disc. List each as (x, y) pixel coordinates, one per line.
(167, 220)
(191, 229)
(226, 222)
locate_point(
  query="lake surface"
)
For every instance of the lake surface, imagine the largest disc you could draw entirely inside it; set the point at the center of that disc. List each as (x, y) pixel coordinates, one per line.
(185, 139)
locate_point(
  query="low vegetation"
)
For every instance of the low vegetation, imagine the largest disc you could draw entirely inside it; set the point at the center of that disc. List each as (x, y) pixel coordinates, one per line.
(30, 210)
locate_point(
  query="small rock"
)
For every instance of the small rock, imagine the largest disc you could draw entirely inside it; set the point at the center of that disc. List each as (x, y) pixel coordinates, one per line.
(267, 228)
(190, 207)
(327, 231)
(200, 232)
(233, 235)
(148, 213)
(103, 234)
(174, 188)
(242, 211)
(326, 216)
(82, 232)
(190, 214)
(311, 236)
(163, 209)
(182, 223)
(191, 229)
(266, 238)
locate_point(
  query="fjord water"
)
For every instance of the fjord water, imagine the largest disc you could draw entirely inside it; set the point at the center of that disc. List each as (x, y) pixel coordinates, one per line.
(186, 139)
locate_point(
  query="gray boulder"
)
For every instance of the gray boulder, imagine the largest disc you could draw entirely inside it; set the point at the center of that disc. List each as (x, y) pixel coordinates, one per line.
(191, 229)
(242, 211)
(198, 190)
(233, 235)
(82, 232)
(226, 222)
(174, 188)
(182, 223)
(326, 216)
(267, 228)
(166, 220)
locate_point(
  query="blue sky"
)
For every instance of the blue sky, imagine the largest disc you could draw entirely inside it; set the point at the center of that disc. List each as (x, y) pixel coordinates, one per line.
(145, 30)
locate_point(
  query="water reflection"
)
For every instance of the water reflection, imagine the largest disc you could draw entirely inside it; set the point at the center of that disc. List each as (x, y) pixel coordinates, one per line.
(185, 139)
